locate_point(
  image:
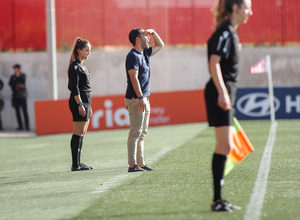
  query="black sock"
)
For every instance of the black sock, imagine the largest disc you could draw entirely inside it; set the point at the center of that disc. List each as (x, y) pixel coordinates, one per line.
(75, 145)
(80, 149)
(218, 166)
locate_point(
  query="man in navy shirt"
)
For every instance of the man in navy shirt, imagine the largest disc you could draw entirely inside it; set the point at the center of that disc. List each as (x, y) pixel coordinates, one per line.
(19, 97)
(1, 104)
(138, 92)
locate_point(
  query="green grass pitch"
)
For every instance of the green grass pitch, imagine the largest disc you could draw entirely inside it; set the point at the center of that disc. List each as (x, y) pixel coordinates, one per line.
(36, 181)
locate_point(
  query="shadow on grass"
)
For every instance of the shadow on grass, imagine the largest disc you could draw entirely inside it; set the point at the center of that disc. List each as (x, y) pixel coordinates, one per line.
(15, 183)
(147, 215)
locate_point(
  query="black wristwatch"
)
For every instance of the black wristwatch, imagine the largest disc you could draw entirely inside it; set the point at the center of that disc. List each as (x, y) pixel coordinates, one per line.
(80, 104)
(141, 97)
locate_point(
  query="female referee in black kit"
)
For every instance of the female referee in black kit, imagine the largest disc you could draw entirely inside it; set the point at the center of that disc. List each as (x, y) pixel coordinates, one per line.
(80, 99)
(220, 91)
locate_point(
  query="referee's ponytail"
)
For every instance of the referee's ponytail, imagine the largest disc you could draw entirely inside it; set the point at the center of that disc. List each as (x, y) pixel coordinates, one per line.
(79, 44)
(223, 10)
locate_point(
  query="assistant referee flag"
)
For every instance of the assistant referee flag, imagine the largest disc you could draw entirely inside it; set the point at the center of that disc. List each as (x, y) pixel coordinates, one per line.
(242, 147)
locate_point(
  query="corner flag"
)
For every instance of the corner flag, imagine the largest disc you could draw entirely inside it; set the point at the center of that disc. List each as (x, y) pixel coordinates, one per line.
(264, 66)
(260, 67)
(242, 147)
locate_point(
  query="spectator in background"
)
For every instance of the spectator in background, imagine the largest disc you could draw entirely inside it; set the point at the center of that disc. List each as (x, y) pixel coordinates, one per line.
(19, 96)
(1, 104)
(1, 84)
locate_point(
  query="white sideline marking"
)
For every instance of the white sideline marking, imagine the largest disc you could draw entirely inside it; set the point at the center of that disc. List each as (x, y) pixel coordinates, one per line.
(116, 180)
(37, 145)
(257, 198)
(12, 134)
(158, 155)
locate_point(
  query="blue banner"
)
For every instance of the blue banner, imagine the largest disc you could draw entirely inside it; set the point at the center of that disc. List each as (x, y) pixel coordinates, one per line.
(254, 103)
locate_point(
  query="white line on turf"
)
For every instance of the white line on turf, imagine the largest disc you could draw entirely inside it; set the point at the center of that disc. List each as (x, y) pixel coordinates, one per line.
(37, 145)
(257, 198)
(158, 155)
(12, 134)
(117, 179)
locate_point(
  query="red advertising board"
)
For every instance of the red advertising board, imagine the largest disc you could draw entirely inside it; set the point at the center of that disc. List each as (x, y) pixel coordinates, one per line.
(187, 22)
(52, 117)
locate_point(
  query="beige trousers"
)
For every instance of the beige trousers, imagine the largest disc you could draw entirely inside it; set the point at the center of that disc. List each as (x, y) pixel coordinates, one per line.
(139, 122)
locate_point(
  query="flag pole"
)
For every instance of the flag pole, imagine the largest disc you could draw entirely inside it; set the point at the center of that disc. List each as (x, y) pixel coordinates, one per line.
(271, 91)
(51, 44)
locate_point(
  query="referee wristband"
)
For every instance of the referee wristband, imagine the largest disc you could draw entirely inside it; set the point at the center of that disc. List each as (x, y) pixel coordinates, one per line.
(80, 104)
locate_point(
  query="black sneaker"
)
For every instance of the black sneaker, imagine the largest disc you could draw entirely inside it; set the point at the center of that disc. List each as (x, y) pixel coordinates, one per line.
(85, 166)
(231, 206)
(81, 167)
(221, 206)
(78, 168)
(135, 168)
(147, 168)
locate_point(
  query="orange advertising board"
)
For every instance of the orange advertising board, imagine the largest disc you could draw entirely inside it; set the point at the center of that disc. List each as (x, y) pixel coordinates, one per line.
(53, 117)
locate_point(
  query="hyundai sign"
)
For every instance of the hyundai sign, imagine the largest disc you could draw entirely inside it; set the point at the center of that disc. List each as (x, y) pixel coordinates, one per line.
(254, 103)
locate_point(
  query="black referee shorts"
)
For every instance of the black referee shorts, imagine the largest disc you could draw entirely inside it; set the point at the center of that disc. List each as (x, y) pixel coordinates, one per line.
(217, 117)
(86, 98)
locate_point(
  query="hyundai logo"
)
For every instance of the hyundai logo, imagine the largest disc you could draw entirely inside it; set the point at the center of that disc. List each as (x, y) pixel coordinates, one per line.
(256, 104)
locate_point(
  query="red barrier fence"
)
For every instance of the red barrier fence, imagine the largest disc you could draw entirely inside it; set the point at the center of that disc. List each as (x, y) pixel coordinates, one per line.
(108, 22)
(53, 117)
(23, 25)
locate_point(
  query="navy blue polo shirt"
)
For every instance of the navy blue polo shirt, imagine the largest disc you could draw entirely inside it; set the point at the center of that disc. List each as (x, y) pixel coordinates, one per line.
(138, 61)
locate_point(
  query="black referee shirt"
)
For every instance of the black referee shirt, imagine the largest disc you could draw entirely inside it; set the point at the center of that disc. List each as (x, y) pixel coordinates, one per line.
(79, 78)
(225, 43)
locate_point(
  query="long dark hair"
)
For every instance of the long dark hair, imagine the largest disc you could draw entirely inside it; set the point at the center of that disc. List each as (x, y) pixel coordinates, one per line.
(223, 10)
(79, 44)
